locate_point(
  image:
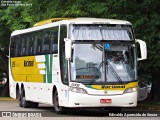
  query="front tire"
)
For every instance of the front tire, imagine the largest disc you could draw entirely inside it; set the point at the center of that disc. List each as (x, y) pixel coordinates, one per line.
(58, 109)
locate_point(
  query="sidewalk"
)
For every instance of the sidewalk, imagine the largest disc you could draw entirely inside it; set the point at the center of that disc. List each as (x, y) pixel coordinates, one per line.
(148, 107)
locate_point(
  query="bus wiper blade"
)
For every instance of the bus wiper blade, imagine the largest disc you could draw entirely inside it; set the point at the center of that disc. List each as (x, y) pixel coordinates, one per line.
(114, 73)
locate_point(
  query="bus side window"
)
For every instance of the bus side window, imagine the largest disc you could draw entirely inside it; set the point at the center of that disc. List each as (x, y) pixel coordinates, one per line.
(35, 44)
(54, 40)
(55, 48)
(31, 45)
(27, 45)
(23, 47)
(46, 48)
(46, 43)
(18, 46)
(13, 47)
(39, 43)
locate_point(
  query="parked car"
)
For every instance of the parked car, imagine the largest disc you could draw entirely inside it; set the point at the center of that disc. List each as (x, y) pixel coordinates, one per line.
(143, 90)
(3, 81)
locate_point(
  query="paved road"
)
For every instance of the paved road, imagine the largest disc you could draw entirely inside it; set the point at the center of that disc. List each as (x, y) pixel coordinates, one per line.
(47, 111)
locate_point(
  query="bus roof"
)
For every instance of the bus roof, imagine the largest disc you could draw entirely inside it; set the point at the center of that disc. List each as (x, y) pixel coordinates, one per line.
(57, 21)
(49, 21)
(97, 21)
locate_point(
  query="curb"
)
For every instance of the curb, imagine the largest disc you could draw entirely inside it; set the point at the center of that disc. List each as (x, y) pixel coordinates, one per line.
(6, 98)
(148, 107)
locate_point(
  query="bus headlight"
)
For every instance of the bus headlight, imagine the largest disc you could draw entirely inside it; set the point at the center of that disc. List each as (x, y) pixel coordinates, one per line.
(78, 90)
(130, 90)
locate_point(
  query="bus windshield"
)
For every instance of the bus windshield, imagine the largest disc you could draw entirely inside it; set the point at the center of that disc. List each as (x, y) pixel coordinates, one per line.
(103, 62)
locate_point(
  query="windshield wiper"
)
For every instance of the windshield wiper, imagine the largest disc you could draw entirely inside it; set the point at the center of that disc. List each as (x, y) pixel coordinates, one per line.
(98, 69)
(114, 72)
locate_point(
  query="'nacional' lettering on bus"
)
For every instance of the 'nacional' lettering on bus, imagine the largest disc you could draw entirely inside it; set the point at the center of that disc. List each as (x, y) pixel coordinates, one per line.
(28, 63)
(118, 86)
(105, 87)
(112, 86)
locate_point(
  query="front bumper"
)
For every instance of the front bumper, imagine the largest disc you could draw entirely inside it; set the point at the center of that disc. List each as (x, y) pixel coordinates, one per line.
(85, 100)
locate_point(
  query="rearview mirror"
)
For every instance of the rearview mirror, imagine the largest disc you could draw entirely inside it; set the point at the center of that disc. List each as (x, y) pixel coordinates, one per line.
(68, 45)
(143, 49)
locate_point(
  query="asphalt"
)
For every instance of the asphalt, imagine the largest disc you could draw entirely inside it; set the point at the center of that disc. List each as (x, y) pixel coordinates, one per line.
(140, 106)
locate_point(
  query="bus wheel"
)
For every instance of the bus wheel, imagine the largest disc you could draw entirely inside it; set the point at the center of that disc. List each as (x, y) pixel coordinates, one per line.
(58, 109)
(25, 104)
(19, 98)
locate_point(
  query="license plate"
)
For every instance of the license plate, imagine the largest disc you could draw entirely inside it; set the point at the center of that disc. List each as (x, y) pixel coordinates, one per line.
(105, 100)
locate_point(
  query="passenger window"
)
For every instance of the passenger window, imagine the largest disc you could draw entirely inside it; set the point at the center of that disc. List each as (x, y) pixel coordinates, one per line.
(46, 43)
(39, 43)
(55, 48)
(35, 44)
(12, 47)
(23, 47)
(31, 45)
(18, 46)
(27, 45)
(54, 40)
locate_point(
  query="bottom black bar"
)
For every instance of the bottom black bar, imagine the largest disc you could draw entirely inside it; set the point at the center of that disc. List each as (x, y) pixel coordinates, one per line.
(80, 113)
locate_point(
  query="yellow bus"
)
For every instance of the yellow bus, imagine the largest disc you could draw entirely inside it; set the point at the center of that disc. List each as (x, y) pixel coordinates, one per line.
(75, 63)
